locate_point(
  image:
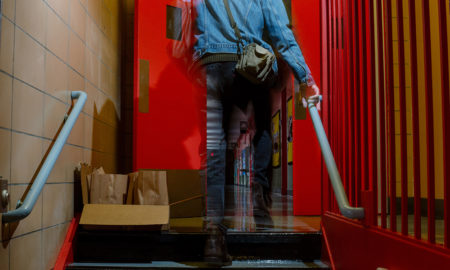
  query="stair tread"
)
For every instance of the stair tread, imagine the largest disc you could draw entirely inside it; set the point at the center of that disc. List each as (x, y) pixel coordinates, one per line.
(237, 264)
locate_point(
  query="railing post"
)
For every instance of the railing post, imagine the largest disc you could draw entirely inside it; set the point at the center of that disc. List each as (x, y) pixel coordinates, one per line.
(445, 88)
(430, 124)
(391, 129)
(415, 118)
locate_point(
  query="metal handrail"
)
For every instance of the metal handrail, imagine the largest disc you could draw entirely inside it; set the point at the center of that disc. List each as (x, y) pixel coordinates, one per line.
(24, 209)
(335, 178)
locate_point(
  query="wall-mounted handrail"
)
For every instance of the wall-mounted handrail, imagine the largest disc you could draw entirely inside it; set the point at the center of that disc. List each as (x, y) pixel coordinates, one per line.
(335, 178)
(23, 210)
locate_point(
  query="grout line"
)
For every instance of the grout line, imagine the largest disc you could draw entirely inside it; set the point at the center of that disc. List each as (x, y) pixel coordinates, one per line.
(51, 183)
(49, 95)
(66, 63)
(70, 28)
(35, 231)
(48, 139)
(31, 86)
(12, 104)
(43, 132)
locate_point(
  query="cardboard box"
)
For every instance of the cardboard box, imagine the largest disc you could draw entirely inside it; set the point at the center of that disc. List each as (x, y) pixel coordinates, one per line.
(185, 189)
(115, 215)
(186, 193)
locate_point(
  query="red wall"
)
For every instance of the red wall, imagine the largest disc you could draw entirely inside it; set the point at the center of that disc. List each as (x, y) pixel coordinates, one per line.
(355, 246)
(307, 157)
(172, 134)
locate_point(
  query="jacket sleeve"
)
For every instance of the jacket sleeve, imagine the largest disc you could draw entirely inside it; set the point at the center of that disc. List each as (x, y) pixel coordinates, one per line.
(276, 22)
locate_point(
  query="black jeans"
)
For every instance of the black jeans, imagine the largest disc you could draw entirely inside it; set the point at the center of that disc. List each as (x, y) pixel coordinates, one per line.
(226, 88)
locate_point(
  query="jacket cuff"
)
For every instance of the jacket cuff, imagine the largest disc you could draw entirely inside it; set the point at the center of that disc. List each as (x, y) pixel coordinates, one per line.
(308, 80)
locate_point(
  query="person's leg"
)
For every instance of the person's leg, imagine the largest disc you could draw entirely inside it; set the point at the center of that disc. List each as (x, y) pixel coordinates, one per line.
(262, 142)
(219, 77)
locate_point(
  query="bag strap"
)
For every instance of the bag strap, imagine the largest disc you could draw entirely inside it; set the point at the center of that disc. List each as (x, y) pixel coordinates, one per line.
(233, 23)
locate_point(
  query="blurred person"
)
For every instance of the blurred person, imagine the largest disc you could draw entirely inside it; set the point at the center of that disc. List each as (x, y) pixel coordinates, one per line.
(216, 49)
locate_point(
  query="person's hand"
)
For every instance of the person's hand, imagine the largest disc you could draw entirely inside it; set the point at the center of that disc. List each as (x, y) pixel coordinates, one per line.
(311, 93)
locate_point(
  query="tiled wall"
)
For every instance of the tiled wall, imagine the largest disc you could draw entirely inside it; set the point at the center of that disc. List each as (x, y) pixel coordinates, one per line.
(437, 103)
(48, 48)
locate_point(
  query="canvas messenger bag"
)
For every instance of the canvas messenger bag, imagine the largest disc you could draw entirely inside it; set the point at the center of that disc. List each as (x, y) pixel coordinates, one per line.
(254, 61)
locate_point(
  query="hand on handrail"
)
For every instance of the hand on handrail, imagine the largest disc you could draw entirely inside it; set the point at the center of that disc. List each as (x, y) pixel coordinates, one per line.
(311, 94)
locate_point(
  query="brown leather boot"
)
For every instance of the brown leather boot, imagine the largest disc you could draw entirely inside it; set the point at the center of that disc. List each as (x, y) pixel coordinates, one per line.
(261, 204)
(216, 252)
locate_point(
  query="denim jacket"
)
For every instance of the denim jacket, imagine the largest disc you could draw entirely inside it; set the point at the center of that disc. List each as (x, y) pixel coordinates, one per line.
(215, 34)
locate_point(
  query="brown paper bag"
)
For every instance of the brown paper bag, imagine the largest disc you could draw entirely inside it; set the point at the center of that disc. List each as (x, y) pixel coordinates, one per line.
(150, 187)
(85, 175)
(108, 188)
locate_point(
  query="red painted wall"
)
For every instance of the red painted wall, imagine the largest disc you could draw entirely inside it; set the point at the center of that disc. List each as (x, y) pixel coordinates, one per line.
(354, 246)
(172, 134)
(307, 157)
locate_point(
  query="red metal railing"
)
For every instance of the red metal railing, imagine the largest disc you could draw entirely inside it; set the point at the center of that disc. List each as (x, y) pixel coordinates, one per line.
(372, 88)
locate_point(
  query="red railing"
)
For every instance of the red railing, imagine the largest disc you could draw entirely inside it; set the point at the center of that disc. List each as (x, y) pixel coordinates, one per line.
(374, 94)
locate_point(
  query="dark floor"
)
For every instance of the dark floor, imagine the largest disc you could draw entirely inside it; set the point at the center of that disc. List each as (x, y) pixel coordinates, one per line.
(238, 215)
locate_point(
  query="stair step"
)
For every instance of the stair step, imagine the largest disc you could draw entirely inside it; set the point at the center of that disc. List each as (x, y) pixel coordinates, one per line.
(145, 247)
(237, 264)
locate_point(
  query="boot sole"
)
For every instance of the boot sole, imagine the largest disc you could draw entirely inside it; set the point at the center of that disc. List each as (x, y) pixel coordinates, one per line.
(214, 261)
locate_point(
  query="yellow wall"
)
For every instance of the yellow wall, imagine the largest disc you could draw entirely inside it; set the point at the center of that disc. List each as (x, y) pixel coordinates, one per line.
(49, 48)
(437, 103)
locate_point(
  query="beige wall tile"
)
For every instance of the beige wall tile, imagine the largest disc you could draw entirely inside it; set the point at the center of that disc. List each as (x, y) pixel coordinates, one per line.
(28, 109)
(57, 35)
(5, 148)
(84, 3)
(5, 100)
(34, 221)
(111, 5)
(56, 78)
(107, 52)
(26, 252)
(76, 82)
(92, 68)
(87, 156)
(76, 136)
(26, 155)
(108, 111)
(76, 53)
(9, 9)
(94, 9)
(93, 36)
(105, 78)
(53, 116)
(57, 204)
(52, 241)
(4, 256)
(61, 7)
(99, 136)
(90, 106)
(78, 18)
(66, 163)
(31, 17)
(106, 20)
(29, 60)
(7, 45)
(88, 127)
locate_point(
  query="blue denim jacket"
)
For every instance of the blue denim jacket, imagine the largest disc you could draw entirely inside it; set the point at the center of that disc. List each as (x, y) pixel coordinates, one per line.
(215, 34)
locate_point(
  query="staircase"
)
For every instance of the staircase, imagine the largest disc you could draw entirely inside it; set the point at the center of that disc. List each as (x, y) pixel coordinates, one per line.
(172, 250)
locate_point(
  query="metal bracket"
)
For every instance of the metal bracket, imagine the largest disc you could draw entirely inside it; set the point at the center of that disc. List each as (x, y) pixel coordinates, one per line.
(4, 195)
